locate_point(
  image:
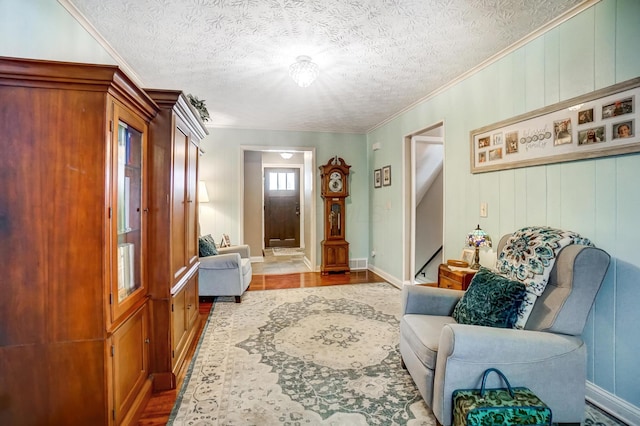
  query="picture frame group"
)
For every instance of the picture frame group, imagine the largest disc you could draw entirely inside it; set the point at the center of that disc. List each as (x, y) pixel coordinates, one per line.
(382, 177)
(597, 124)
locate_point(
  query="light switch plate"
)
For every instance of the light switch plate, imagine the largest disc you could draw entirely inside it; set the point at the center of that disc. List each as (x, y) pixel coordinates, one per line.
(483, 209)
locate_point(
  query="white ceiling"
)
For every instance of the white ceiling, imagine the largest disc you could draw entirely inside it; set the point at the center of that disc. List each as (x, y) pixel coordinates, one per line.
(376, 57)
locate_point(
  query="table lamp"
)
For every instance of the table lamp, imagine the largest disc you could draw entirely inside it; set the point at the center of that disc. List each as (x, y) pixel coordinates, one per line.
(476, 239)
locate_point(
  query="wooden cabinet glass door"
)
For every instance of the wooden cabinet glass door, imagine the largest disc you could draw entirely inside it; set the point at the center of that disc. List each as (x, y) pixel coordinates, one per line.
(129, 208)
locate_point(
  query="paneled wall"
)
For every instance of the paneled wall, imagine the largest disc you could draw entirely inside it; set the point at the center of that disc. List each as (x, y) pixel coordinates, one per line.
(598, 198)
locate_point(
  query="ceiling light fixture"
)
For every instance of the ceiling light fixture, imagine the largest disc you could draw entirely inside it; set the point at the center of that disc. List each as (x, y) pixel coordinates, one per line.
(303, 71)
(286, 155)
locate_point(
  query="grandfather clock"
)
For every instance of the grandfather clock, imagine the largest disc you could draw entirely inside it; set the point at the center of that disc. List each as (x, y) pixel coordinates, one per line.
(334, 189)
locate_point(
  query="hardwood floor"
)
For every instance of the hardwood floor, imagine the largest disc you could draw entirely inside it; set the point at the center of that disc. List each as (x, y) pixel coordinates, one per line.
(311, 279)
(160, 405)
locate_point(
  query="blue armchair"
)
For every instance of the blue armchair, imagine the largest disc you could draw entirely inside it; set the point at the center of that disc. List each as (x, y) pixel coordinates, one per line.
(228, 273)
(548, 356)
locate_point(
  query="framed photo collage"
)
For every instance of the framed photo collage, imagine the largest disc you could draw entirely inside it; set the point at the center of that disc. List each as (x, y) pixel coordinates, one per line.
(598, 124)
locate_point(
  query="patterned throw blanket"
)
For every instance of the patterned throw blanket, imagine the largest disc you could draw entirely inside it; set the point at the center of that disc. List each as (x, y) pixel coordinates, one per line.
(528, 256)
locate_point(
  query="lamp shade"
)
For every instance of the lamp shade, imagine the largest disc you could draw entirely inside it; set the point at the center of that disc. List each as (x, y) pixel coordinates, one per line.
(303, 71)
(478, 238)
(203, 196)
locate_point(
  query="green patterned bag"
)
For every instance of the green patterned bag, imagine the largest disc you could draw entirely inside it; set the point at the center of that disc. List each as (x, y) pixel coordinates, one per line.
(501, 406)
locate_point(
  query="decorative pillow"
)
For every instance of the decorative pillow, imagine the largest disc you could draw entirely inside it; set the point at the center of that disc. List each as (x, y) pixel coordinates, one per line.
(529, 255)
(210, 239)
(491, 300)
(207, 246)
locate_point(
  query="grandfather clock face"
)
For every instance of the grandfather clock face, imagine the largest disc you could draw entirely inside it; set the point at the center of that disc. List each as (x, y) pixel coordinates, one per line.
(335, 182)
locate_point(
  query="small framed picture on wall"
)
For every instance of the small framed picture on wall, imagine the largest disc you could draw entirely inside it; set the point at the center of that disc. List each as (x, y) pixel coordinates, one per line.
(377, 178)
(386, 175)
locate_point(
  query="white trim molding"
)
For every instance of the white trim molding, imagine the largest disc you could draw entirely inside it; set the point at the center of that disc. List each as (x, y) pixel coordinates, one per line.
(615, 406)
(82, 20)
(390, 279)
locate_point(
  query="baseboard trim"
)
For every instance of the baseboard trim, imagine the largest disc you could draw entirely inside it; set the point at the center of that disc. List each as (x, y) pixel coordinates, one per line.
(615, 406)
(257, 259)
(307, 262)
(391, 279)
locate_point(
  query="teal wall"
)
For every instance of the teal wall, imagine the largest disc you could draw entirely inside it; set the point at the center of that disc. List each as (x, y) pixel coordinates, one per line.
(43, 29)
(223, 160)
(598, 198)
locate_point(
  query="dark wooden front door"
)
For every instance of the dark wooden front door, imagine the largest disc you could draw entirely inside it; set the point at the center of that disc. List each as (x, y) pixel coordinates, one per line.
(281, 207)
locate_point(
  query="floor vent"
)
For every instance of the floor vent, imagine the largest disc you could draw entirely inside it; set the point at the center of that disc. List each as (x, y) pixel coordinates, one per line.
(358, 263)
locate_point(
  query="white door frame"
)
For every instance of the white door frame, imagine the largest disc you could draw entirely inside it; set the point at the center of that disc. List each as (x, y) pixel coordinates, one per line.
(308, 182)
(409, 148)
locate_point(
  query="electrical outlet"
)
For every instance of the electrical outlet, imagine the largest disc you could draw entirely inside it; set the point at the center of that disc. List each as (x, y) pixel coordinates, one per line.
(483, 209)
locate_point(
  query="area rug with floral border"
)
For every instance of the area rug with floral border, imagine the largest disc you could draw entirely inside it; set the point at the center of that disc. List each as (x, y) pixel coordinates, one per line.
(306, 356)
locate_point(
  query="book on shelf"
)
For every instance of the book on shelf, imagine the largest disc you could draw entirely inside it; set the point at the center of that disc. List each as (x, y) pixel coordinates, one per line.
(121, 216)
(127, 204)
(131, 263)
(122, 290)
(126, 270)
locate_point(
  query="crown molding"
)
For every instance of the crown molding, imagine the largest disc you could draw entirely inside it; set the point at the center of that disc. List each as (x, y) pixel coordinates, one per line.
(506, 51)
(82, 20)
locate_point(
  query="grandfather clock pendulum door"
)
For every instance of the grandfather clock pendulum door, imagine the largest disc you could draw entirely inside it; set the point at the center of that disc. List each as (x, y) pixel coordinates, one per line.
(334, 189)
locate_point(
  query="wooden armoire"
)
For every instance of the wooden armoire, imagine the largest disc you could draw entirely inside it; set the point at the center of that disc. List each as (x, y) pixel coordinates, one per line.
(173, 233)
(74, 314)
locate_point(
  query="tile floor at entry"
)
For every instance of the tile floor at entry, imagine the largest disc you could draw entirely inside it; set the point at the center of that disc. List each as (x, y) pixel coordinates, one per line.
(290, 263)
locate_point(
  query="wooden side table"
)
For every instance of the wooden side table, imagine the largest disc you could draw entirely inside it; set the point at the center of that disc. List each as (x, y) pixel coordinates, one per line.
(455, 280)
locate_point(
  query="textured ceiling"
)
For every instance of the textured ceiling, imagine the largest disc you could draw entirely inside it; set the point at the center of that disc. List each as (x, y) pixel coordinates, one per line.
(376, 57)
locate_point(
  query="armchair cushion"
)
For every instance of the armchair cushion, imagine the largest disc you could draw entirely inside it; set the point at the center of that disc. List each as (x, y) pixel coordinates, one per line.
(422, 333)
(491, 300)
(207, 246)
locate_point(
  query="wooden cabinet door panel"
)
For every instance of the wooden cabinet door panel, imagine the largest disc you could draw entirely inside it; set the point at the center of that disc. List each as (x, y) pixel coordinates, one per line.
(178, 326)
(178, 213)
(130, 357)
(192, 206)
(192, 301)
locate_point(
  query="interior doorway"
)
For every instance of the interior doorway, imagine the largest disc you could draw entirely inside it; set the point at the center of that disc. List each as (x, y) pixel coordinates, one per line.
(257, 160)
(281, 207)
(424, 211)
